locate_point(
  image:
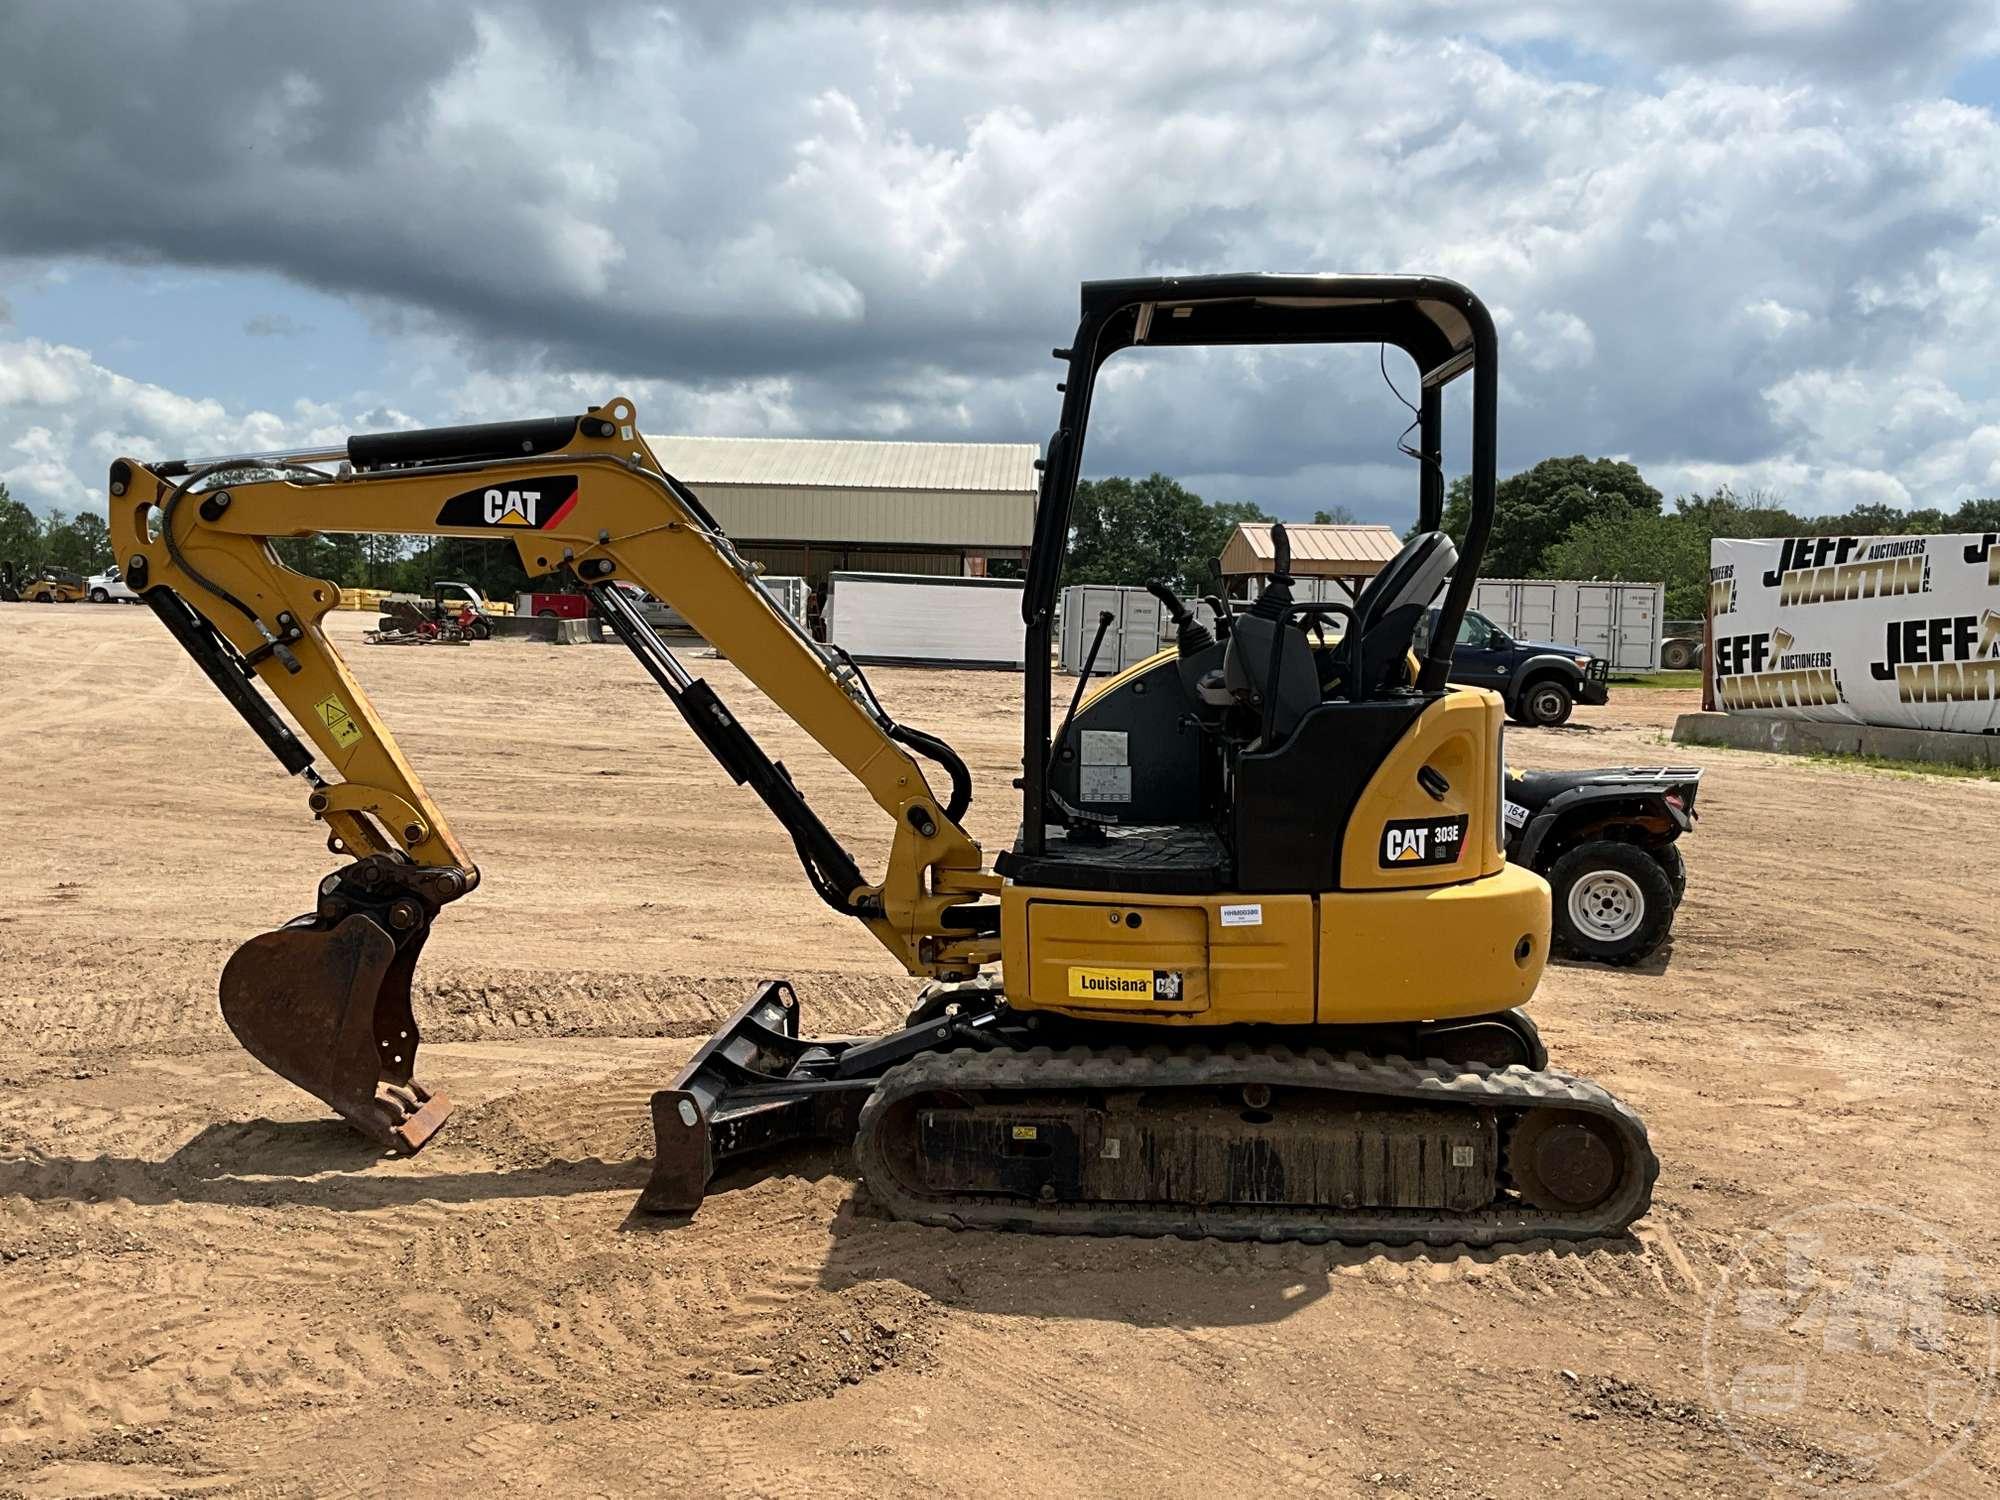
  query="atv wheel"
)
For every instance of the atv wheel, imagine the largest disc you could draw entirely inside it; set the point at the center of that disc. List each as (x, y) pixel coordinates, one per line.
(1669, 858)
(1613, 902)
(1545, 704)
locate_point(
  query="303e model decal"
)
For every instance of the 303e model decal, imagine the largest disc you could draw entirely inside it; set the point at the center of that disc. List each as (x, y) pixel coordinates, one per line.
(1422, 841)
(531, 504)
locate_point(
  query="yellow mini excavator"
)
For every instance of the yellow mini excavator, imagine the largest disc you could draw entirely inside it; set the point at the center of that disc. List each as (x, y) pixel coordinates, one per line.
(1253, 967)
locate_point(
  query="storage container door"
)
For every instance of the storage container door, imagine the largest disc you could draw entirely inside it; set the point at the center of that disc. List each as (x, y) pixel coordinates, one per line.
(1535, 616)
(1596, 605)
(1138, 630)
(1638, 629)
(1496, 602)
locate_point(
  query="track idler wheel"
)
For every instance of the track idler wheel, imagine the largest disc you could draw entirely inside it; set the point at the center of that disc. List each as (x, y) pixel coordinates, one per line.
(325, 1004)
(1562, 1162)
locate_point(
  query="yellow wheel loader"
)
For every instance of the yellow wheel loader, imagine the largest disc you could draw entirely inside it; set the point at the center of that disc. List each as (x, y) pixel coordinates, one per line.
(1253, 967)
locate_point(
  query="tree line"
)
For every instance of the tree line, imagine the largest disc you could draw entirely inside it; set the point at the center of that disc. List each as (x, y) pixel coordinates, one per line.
(1581, 517)
(81, 543)
(1573, 517)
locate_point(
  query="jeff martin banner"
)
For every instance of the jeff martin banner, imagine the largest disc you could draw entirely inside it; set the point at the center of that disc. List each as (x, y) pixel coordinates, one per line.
(1896, 630)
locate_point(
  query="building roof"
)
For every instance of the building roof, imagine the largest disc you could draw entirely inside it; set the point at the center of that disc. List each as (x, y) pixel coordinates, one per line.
(1318, 551)
(844, 463)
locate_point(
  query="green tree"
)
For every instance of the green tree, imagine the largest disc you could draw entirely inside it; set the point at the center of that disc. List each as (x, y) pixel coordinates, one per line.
(81, 543)
(1334, 515)
(1977, 515)
(20, 533)
(1131, 530)
(494, 568)
(1537, 508)
(337, 557)
(1641, 547)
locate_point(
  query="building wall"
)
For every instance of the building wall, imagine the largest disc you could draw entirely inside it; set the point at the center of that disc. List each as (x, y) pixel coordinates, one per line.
(954, 519)
(814, 560)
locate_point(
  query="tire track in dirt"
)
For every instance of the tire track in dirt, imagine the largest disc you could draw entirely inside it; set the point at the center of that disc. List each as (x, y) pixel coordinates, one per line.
(999, 1373)
(540, 1300)
(106, 1008)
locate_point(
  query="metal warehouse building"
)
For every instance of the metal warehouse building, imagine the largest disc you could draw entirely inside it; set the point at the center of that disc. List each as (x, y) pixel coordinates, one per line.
(810, 506)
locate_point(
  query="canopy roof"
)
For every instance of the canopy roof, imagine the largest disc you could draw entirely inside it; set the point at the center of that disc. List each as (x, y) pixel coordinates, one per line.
(1425, 316)
(1318, 551)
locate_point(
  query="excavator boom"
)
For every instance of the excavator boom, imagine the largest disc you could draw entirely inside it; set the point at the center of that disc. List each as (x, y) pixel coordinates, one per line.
(324, 1001)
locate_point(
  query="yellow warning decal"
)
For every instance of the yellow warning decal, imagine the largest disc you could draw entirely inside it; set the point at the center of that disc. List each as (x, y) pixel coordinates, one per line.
(1099, 984)
(1024, 1132)
(339, 722)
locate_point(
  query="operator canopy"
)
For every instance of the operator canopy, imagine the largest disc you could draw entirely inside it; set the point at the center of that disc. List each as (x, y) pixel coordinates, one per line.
(1424, 316)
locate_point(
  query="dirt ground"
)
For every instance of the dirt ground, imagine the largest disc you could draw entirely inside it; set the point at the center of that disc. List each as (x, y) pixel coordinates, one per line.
(209, 1286)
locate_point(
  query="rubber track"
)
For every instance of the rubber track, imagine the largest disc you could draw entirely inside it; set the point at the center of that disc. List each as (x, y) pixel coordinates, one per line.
(1394, 1080)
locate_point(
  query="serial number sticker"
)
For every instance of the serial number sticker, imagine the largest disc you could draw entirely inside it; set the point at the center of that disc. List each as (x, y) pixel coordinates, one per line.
(1462, 1156)
(1248, 915)
(338, 721)
(1024, 1132)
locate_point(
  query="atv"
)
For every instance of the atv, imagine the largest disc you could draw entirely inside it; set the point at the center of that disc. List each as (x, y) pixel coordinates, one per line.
(1607, 843)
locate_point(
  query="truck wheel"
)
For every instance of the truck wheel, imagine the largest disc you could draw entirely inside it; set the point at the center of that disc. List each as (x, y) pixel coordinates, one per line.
(100, 596)
(1668, 857)
(546, 614)
(1613, 902)
(1677, 656)
(1545, 703)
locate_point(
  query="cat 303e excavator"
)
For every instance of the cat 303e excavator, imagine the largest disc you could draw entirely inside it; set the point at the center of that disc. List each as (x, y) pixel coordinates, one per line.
(1252, 969)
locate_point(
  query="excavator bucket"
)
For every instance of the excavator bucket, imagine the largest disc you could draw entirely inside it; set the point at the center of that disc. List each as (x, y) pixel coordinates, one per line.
(327, 1007)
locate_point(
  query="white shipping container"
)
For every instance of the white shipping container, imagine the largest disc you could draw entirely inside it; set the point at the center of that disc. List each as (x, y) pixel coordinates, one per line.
(787, 591)
(914, 618)
(1618, 621)
(1139, 626)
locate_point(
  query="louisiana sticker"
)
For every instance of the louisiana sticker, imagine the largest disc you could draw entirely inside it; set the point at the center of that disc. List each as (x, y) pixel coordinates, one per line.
(1414, 842)
(1091, 983)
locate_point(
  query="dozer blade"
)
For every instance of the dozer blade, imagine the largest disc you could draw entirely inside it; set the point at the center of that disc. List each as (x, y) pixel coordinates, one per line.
(328, 1008)
(754, 1085)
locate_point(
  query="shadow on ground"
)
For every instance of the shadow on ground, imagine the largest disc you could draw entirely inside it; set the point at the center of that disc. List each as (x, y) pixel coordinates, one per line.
(315, 1163)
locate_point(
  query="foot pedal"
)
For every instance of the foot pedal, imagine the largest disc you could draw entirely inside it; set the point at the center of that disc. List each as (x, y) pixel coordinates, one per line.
(328, 1009)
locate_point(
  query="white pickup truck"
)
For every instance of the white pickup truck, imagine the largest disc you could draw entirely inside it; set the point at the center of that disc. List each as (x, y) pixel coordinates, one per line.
(109, 588)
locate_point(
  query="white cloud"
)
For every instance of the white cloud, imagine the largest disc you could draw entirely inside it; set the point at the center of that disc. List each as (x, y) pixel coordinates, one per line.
(1755, 243)
(65, 417)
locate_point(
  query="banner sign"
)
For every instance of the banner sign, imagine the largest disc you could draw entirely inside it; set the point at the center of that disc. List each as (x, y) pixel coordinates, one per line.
(1895, 630)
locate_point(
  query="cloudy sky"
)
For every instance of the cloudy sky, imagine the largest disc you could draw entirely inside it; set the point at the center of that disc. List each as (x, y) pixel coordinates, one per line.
(1753, 241)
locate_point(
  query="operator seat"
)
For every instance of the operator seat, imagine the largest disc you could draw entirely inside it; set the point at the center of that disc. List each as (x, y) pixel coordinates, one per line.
(1388, 609)
(1371, 654)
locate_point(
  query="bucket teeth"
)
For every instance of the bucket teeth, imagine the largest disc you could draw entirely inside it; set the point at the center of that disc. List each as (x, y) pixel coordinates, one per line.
(327, 1007)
